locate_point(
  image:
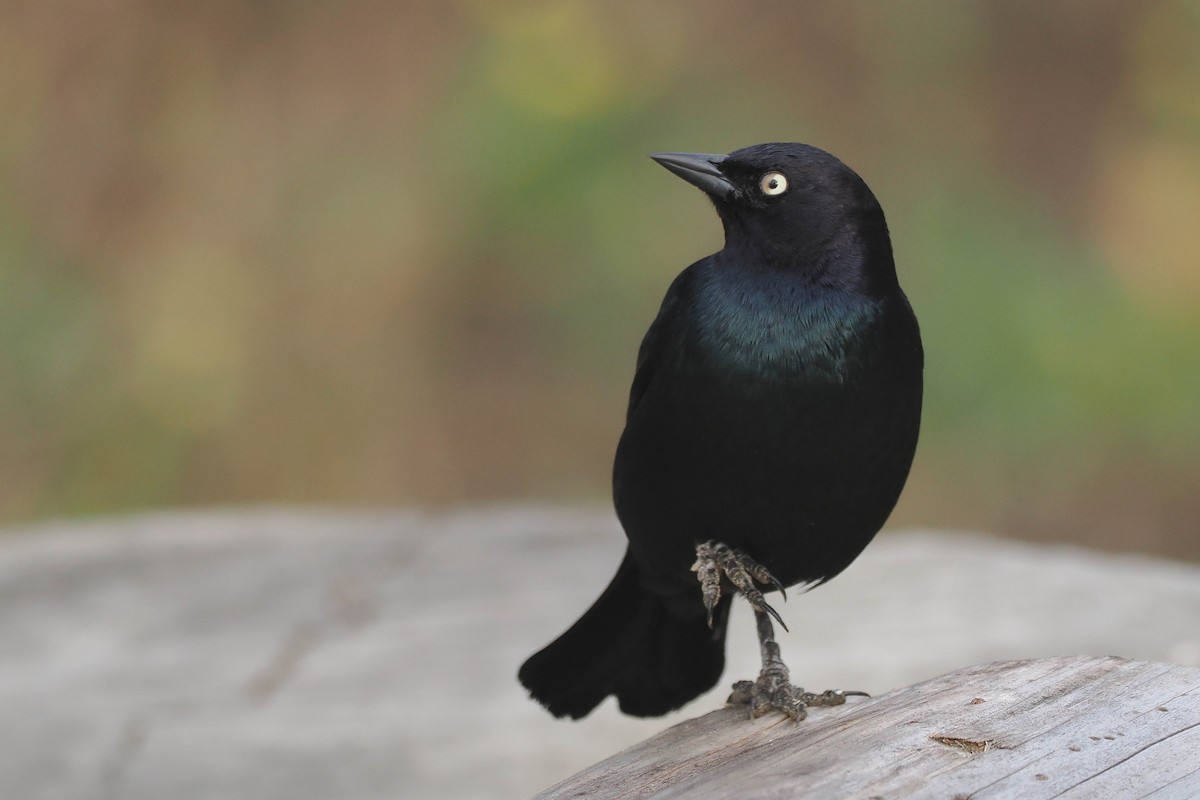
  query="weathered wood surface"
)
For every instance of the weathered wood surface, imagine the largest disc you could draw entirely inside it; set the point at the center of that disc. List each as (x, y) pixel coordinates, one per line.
(1082, 727)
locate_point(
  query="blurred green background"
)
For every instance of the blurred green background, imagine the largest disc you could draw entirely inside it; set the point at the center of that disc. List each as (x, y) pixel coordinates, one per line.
(403, 253)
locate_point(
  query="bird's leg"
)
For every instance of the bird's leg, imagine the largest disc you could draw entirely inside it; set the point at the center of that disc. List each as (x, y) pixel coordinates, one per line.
(714, 559)
(773, 690)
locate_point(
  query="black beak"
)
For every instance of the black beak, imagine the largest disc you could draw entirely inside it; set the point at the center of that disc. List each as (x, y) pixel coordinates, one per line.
(698, 169)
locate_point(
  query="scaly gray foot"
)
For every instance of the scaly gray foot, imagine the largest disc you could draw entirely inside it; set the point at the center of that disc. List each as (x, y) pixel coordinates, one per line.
(773, 691)
(714, 559)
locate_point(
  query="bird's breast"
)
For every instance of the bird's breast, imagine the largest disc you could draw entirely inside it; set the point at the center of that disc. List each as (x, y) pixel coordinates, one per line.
(777, 333)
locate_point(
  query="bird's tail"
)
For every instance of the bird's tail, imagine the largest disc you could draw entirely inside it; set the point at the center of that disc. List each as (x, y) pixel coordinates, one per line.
(629, 644)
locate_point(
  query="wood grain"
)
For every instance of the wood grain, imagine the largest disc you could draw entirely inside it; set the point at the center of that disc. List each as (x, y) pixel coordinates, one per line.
(1075, 727)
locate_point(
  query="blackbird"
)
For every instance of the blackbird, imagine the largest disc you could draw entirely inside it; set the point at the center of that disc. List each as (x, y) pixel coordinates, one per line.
(771, 425)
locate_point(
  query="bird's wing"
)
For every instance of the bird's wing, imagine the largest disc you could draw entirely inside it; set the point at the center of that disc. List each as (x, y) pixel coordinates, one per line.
(655, 342)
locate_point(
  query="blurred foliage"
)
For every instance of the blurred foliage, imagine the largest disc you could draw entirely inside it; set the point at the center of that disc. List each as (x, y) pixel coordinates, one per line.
(404, 253)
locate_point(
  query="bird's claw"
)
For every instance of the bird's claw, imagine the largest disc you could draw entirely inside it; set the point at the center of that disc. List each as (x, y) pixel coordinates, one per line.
(761, 697)
(714, 559)
(762, 575)
(774, 692)
(708, 572)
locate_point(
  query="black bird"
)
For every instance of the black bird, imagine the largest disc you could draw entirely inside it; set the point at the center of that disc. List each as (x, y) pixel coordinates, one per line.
(771, 425)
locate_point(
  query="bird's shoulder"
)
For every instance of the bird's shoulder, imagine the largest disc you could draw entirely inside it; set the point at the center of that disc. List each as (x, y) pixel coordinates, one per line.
(664, 329)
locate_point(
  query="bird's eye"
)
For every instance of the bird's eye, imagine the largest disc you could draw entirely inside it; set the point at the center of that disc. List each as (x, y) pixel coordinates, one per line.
(773, 183)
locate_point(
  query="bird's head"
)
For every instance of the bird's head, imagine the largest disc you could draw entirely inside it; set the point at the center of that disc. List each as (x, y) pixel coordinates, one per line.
(794, 207)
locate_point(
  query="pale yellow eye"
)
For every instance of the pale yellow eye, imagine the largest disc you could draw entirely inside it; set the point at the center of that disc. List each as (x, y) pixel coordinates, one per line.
(773, 183)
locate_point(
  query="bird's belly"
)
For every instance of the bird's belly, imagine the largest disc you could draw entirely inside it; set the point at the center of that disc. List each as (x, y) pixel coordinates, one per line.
(799, 475)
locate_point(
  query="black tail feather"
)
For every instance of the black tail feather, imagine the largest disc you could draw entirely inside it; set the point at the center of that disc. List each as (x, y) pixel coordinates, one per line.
(628, 644)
